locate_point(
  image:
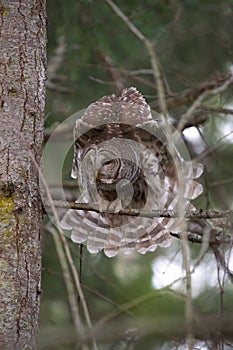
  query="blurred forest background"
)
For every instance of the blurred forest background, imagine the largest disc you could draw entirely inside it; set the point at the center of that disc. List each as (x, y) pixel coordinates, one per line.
(133, 300)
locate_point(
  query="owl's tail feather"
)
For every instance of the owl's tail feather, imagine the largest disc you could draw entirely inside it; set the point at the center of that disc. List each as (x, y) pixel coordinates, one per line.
(130, 234)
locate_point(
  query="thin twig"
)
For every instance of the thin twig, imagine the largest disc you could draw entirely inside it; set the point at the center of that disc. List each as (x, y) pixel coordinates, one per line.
(67, 279)
(188, 294)
(212, 150)
(159, 81)
(186, 263)
(137, 78)
(112, 71)
(123, 308)
(68, 254)
(220, 182)
(212, 109)
(221, 261)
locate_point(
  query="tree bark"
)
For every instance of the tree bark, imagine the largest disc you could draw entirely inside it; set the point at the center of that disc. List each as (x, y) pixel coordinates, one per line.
(22, 99)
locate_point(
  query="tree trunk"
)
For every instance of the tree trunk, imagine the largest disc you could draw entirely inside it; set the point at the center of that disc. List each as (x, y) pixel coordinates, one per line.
(22, 99)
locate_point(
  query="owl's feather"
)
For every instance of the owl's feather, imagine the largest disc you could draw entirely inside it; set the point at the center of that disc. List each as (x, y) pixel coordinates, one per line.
(117, 139)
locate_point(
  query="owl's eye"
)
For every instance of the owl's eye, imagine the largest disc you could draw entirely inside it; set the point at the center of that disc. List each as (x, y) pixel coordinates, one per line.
(108, 162)
(108, 169)
(108, 166)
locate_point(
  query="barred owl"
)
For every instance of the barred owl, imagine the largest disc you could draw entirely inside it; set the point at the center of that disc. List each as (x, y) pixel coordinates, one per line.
(124, 160)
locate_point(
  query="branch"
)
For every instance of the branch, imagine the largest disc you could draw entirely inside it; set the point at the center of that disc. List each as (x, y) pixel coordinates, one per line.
(69, 258)
(212, 89)
(54, 64)
(71, 292)
(137, 78)
(190, 95)
(221, 110)
(112, 71)
(221, 261)
(197, 119)
(192, 214)
(156, 67)
(207, 327)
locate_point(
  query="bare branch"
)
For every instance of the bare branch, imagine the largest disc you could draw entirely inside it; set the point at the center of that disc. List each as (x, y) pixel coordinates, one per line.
(211, 150)
(112, 71)
(156, 67)
(212, 90)
(207, 327)
(189, 96)
(137, 78)
(220, 182)
(221, 110)
(71, 293)
(221, 260)
(68, 256)
(54, 64)
(197, 119)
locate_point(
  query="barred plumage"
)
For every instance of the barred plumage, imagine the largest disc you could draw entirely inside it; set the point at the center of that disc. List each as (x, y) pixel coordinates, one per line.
(122, 160)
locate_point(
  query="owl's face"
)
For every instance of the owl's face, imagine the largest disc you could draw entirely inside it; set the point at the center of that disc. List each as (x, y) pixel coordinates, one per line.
(109, 169)
(112, 170)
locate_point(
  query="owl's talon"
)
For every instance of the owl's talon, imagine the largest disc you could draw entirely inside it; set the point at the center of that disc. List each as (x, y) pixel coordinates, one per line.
(115, 206)
(103, 205)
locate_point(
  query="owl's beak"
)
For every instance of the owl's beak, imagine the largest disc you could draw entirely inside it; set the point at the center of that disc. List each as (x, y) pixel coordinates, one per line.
(96, 174)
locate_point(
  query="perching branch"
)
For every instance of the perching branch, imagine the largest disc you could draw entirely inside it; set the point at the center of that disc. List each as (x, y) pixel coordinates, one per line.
(192, 214)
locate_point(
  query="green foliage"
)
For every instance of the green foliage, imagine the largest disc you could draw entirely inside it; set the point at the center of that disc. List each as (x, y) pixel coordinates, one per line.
(193, 41)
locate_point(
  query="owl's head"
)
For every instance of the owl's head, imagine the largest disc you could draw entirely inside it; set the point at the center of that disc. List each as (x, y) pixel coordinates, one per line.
(109, 162)
(107, 168)
(115, 176)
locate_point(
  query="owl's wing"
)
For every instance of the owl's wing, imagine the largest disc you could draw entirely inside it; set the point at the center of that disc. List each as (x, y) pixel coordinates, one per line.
(114, 233)
(152, 135)
(106, 116)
